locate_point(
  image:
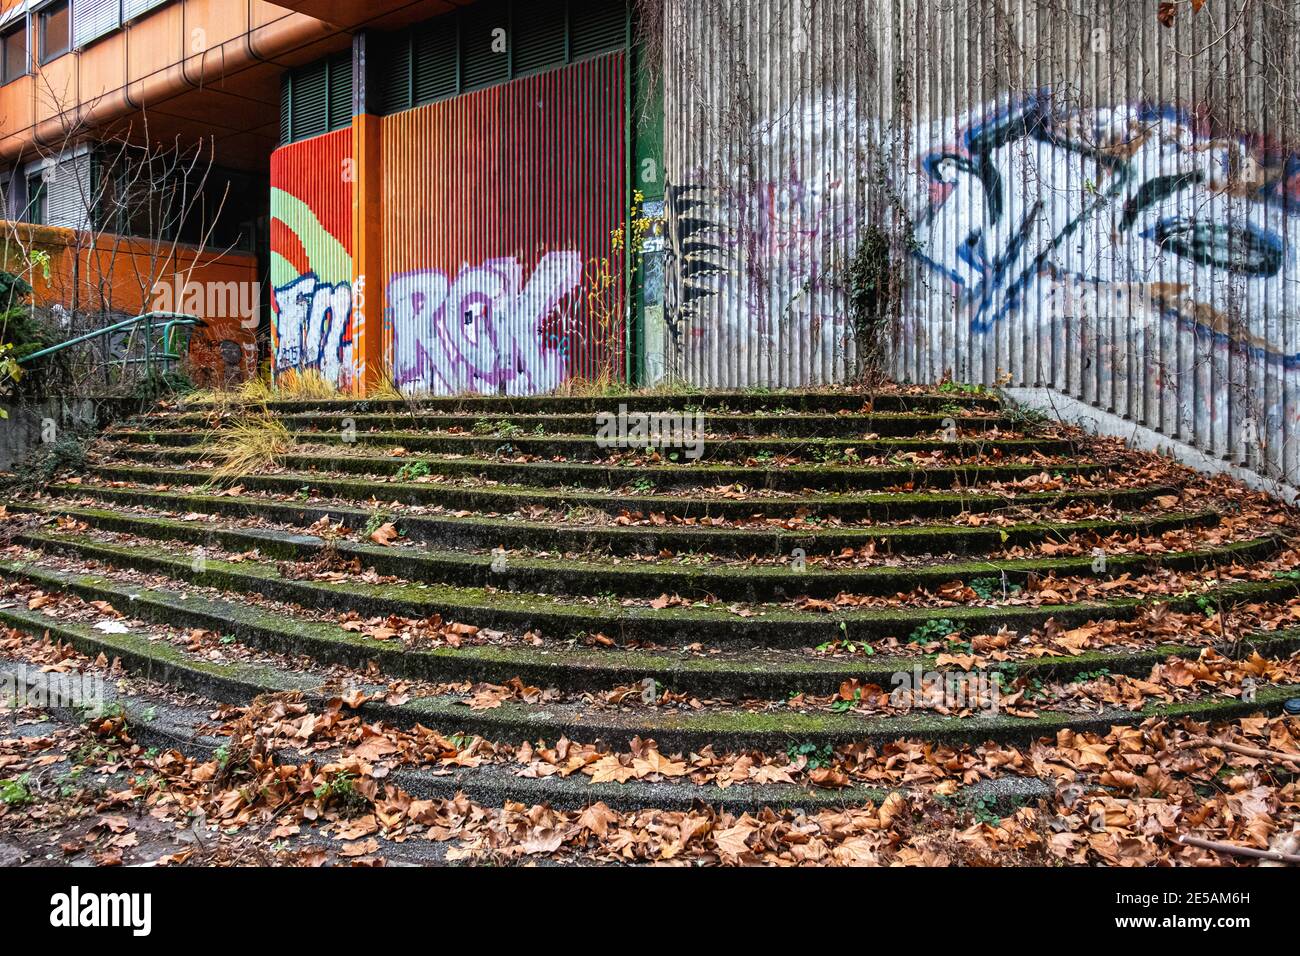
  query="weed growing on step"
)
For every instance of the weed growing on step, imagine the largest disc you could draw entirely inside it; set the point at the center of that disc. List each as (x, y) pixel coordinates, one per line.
(376, 521)
(304, 385)
(253, 444)
(342, 793)
(223, 401)
(993, 589)
(500, 429)
(385, 389)
(1024, 419)
(984, 810)
(413, 470)
(17, 792)
(817, 757)
(937, 630)
(66, 452)
(603, 385)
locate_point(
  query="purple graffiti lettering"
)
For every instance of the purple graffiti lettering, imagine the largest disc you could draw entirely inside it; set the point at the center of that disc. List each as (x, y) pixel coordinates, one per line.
(483, 332)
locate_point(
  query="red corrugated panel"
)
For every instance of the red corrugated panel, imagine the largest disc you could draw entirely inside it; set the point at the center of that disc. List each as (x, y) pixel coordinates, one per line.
(500, 209)
(311, 255)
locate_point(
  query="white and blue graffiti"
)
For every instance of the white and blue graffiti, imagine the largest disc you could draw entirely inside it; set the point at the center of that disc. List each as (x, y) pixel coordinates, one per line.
(1140, 211)
(313, 325)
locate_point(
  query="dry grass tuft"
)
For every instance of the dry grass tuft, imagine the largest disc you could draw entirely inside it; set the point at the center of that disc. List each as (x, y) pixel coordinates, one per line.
(385, 388)
(604, 385)
(304, 385)
(251, 444)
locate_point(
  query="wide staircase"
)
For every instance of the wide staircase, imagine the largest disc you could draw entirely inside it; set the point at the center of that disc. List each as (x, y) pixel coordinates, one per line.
(835, 571)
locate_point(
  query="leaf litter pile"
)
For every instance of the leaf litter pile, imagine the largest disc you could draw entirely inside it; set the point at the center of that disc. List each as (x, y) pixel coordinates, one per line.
(296, 785)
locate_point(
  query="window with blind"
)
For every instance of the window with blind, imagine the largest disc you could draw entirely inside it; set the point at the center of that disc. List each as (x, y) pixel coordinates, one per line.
(92, 19)
(135, 8)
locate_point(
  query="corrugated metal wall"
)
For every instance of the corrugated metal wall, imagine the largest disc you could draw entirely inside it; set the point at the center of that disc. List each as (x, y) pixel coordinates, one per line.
(500, 209)
(1077, 196)
(311, 256)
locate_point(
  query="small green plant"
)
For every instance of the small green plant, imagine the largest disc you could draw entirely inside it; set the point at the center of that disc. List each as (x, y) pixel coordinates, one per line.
(817, 757)
(342, 793)
(68, 452)
(376, 521)
(842, 706)
(643, 486)
(936, 630)
(1086, 676)
(17, 792)
(413, 470)
(984, 810)
(991, 589)
(501, 429)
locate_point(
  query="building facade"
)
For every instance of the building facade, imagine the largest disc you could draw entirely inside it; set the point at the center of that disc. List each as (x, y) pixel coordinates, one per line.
(1097, 200)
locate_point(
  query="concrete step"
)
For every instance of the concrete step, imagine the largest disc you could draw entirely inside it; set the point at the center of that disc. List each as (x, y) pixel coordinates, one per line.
(516, 723)
(590, 448)
(774, 675)
(561, 617)
(649, 478)
(726, 503)
(486, 532)
(743, 582)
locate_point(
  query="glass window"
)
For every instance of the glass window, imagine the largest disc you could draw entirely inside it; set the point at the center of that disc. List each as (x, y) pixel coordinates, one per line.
(56, 31)
(35, 200)
(13, 53)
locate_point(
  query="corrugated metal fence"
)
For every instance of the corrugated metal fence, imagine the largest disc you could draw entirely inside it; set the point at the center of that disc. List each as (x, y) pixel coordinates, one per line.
(1073, 196)
(500, 214)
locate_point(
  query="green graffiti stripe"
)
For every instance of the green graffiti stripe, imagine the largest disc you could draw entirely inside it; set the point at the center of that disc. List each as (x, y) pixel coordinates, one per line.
(329, 258)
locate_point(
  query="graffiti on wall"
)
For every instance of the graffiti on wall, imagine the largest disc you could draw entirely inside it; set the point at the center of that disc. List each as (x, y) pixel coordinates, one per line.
(1075, 227)
(753, 252)
(313, 327)
(311, 259)
(503, 214)
(1139, 212)
(486, 330)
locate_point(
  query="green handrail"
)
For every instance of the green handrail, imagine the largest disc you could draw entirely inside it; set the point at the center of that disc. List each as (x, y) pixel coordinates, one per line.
(172, 321)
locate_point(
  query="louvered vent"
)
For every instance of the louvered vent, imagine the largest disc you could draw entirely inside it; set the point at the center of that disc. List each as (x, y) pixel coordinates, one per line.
(596, 26)
(340, 94)
(538, 38)
(484, 46)
(454, 53)
(435, 62)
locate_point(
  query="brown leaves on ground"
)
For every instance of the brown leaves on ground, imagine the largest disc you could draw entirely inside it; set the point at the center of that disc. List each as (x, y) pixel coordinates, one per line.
(386, 534)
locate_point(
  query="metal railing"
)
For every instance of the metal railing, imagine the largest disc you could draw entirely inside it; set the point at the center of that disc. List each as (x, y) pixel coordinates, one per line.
(169, 345)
